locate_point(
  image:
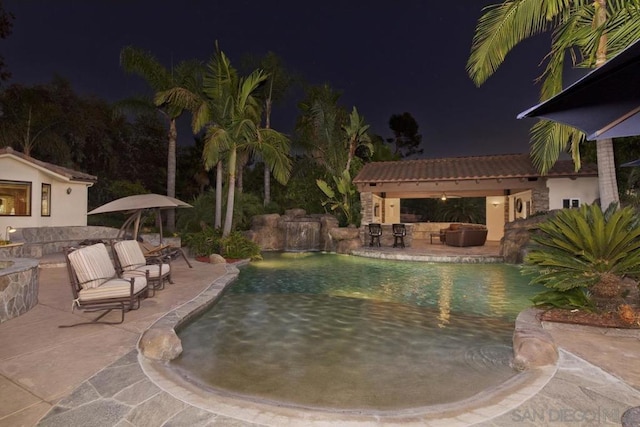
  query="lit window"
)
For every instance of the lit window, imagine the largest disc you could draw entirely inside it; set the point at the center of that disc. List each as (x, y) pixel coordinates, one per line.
(45, 207)
(570, 203)
(15, 198)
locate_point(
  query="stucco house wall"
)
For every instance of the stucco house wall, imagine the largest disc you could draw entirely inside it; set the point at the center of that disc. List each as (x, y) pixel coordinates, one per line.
(579, 191)
(68, 199)
(495, 209)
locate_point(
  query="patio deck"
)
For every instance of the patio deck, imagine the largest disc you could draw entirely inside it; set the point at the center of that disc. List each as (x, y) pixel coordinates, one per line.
(422, 250)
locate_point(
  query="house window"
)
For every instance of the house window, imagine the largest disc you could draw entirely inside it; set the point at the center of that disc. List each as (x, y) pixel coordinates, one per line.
(15, 198)
(45, 207)
(570, 203)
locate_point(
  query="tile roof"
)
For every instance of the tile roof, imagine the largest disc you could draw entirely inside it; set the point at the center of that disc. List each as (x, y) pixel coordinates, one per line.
(71, 174)
(458, 168)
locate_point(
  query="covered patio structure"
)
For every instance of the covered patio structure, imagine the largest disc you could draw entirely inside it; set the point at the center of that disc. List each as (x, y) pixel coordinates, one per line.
(510, 184)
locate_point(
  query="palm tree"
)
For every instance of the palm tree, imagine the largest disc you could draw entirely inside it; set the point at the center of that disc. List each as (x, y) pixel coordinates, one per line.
(589, 30)
(319, 128)
(160, 79)
(230, 114)
(278, 83)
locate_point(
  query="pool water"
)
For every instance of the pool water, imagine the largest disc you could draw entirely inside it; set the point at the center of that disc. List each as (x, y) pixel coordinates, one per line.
(348, 333)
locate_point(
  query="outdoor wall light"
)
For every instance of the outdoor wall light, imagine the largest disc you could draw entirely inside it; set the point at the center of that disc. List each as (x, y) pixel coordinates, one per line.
(8, 231)
(443, 197)
(68, 190)
(495, 203)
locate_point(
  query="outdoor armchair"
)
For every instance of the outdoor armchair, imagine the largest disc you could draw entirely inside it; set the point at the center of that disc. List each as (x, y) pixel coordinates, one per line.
(96, 286)
(130, 261)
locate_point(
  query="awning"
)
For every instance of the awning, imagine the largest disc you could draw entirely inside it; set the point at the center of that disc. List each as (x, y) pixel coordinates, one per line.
(603, 104)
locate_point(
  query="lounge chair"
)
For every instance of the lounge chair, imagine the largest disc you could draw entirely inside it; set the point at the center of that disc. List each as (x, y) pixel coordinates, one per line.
(130, 261)
(375, 231)
(166, 251)
(96, 286)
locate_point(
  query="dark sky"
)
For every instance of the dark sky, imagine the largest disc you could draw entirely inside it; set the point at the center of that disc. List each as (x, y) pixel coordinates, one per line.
(387, 57)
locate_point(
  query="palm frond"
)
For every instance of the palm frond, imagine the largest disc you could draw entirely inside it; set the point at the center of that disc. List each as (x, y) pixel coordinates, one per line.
(144, 64)
(502, 27)
(548, 140)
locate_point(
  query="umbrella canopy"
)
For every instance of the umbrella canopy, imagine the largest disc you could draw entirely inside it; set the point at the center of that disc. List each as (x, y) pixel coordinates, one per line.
(603, 104)
(140, 201)
(631, 164)
(136, 205)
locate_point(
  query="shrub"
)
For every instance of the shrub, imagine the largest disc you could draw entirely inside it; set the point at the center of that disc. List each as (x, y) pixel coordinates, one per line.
(210, 241)
(203, 243)
(584, 248)
(190, 220)
(235, 245)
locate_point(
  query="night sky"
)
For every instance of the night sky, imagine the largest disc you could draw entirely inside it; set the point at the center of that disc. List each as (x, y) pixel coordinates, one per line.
(387, 57)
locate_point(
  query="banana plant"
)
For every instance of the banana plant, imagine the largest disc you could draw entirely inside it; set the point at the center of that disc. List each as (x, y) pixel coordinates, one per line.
(343, 200)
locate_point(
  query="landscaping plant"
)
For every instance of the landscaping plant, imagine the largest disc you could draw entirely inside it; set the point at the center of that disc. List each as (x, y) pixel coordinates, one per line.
(583, 254)
(204, 242)
(237, 246)
(210, 241)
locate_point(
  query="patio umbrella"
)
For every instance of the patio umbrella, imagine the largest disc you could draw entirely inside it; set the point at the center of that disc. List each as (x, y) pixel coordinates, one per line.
(603, 104)
(136, 205)
(631, 164)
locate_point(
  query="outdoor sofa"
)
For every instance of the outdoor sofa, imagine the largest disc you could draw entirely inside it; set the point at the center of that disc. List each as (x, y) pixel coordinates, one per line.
(464, 235)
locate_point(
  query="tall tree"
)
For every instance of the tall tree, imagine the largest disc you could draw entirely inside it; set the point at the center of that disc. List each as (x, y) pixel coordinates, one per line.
(319, 128)
(29, 115)
(279, 81)
(589, 30)
(332, 138)
(406, 138)
(230, 115)
(159, 78)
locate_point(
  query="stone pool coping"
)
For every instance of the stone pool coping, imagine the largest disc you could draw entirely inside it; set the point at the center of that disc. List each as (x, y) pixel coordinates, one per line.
(486, 405)
(18, 264)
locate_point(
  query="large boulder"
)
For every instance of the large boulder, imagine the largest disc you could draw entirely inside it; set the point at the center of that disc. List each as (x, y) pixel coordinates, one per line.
(160, 344)
(517, 234)
(296, 212)
(273, 232)
(346, 239)
(266, 232)
(217, 259)
(532, 346)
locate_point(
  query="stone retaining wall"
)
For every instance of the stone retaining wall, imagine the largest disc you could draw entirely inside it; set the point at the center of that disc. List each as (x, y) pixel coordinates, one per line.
(18, 287)
(39, 241)
(13, 250)
(513, 246)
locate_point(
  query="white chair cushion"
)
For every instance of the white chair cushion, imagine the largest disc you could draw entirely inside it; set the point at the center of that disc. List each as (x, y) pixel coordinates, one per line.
(115, 288)
(129, 254)
(92, 265)
(154, 271)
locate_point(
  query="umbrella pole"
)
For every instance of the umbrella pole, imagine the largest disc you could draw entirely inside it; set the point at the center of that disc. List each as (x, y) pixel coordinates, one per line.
(123, 230)
(136, 227)
(159, 216)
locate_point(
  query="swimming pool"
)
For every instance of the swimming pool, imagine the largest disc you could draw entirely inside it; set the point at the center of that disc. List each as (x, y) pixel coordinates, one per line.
(354, 334)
